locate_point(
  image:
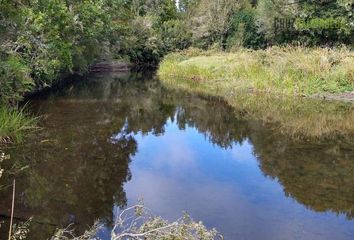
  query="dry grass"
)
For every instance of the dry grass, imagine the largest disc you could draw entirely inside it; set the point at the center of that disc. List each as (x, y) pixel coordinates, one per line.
(283, 71)
(265, 85)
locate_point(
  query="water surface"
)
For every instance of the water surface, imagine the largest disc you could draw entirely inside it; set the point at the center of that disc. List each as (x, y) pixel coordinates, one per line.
(112, 139)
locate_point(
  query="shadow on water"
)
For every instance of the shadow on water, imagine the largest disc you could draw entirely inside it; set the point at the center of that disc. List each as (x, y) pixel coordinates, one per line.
(80, 161)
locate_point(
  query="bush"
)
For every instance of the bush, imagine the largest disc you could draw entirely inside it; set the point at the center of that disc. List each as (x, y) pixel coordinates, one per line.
(244, 31)
(15, 80)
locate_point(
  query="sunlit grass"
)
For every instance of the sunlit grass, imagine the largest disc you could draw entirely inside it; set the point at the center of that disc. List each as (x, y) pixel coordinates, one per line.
(285, 71)
(14, 124)
(266, 85)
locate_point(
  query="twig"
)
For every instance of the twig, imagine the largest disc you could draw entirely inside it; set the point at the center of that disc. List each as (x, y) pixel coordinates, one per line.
(12, 208)
(135, 235)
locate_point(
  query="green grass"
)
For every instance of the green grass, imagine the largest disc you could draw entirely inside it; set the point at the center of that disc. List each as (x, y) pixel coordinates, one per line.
(281, 71)
(264, 85)
(14, 124)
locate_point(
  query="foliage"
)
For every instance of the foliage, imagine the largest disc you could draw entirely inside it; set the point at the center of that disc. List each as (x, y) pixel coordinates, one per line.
(267, 13)
(288, 71)
(14, 124)
(175, 35)
(210, 21)
(341, 33)
(306, 11)
(21, 230)
(233, 77)
(41, 40)
(15, 80)
(244, 31)
(137, 222)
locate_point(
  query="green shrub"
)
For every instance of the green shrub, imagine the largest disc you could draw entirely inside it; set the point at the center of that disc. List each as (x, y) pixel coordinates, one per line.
(15, 80)
(243, 31)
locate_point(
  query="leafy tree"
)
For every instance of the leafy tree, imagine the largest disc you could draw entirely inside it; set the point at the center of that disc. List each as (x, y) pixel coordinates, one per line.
(40, 40)
(271, 11)
(337, 15)
(210, 21)
(244, 31)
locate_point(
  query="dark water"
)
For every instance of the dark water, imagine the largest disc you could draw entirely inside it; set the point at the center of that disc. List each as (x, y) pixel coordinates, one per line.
(110, 140)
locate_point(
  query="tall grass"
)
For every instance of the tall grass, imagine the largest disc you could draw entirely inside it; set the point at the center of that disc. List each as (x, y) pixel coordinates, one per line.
(14, 124)
(281, 71)
(261, 85)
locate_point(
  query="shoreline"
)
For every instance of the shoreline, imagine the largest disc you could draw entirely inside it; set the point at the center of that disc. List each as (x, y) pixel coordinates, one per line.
(290, 72)
(67, 78)
(320, 115)
(18, 122)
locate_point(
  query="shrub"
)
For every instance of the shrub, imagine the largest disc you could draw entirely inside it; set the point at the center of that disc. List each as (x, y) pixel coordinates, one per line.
(244, 31)
(15, 80)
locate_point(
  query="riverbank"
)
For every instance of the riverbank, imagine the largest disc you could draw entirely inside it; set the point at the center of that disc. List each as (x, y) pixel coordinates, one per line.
(14, 124)
(237, 78)
(279, 71)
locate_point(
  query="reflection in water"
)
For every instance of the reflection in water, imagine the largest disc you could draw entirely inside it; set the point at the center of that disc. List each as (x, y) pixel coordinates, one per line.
(111, 139)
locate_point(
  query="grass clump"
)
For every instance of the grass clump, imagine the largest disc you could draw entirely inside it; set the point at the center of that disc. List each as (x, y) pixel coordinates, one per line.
(14, 124)
(283, 71)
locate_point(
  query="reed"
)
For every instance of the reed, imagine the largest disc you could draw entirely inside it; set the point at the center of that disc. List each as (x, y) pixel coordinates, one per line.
(14, 124)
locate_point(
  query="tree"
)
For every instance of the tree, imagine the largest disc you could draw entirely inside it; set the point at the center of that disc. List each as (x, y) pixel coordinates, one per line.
(210, 20)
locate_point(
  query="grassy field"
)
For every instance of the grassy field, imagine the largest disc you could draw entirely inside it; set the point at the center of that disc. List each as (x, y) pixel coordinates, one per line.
(264, 85)
(14, 124)
(280, 71)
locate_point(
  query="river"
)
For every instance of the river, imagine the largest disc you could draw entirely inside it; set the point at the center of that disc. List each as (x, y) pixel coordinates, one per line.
(111, 139)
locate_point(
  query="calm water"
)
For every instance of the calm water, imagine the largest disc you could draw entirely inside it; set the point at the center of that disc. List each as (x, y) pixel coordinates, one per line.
(112, 139)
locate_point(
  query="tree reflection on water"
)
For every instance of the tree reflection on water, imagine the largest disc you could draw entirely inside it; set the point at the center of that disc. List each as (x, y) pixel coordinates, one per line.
(79, 162)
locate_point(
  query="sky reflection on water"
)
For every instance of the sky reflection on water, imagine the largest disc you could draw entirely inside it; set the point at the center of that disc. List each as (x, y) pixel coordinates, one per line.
(111, 140)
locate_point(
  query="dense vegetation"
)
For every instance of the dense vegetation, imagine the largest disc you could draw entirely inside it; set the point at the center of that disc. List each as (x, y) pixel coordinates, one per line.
(44, 40)
(283, 71)
(41, 40)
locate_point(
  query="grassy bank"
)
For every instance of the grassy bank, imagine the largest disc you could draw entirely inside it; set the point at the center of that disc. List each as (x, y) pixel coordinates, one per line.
(14, 124)
(281, 71)
(242, 78)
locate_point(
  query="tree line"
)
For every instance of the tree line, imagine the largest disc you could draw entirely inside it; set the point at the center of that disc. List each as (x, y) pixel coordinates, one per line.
(43, 39)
